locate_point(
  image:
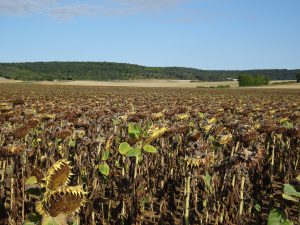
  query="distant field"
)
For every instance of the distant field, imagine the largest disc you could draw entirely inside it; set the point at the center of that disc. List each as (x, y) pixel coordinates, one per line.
(286, 84)
(289, 84)
(3, 80)
(143, 83)
(170, 83)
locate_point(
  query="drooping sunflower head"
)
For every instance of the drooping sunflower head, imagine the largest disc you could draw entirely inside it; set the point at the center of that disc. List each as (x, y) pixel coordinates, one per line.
(224, 139)
(197, 161)
(155, 133)
(58, 175)
(194, 162)
(11, 150)
(65, 200)
(5, 107)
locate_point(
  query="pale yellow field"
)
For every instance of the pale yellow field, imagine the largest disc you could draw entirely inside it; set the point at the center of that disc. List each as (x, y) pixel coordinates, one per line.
(160, 83)
(143, 83)
(169, 83)
(3, 80)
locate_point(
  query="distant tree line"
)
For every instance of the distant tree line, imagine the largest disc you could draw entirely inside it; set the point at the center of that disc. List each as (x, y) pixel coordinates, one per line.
(256, 80)
(298, 77)
(122, 71)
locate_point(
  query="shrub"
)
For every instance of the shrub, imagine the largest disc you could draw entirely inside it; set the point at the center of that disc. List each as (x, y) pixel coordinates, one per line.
(298, 77)
(250, 80)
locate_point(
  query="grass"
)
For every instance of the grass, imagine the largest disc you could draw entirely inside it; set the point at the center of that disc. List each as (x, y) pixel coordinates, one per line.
(221, 86)
(283, 82)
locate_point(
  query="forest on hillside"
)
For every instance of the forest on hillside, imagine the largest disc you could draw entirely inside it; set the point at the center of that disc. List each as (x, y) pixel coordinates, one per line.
(123, 71)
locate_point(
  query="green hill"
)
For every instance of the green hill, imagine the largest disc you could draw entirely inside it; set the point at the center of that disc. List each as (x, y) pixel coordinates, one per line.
(124, 71)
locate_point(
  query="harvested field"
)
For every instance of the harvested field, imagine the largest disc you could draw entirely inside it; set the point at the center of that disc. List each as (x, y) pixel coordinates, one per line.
(172, 83)
(143, 83)
(276, 84)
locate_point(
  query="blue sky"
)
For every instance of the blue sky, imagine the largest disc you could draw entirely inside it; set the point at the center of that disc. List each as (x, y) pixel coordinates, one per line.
(205, 34)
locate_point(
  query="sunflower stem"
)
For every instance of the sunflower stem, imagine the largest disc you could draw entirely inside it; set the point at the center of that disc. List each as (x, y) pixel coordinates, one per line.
(187, 198)
(136, 166)
(242, 196)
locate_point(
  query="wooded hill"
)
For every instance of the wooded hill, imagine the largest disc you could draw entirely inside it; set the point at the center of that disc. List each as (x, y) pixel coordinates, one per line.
(124, 71)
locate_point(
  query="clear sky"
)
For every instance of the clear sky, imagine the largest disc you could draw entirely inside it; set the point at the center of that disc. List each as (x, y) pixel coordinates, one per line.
(205, 34)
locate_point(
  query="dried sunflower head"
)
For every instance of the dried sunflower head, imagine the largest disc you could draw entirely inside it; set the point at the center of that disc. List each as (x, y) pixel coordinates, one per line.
(194, 162)
(65, 200)
(157, 116)
(21, 132)
(11, 150)
(199, 160)
(58, 175)
(5, 107)
(183, 116)
(224, 139)
(155, 133)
